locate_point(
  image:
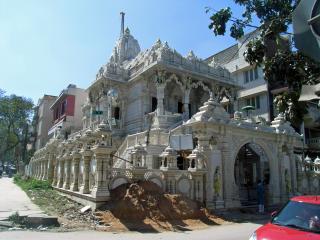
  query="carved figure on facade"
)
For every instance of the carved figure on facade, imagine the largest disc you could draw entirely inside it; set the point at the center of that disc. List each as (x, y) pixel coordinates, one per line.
(217, 182)
(160, 77)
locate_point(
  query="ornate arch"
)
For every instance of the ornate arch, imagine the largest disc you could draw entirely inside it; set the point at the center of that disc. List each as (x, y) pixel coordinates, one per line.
(239, 144)
(155, 177)
(119, 177)
(174, 78)
(196, 84)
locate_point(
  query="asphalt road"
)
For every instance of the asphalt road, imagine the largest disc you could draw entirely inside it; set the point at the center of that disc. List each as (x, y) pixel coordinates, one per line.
(225, 232)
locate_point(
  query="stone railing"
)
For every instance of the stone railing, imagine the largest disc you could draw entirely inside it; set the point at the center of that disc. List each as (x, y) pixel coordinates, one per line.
(82, 166)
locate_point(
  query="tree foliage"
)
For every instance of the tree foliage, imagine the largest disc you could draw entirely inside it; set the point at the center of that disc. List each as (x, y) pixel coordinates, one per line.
(15, 112)
(282, 65)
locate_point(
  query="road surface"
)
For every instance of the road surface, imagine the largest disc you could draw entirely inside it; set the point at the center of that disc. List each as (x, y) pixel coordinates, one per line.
(225, 232)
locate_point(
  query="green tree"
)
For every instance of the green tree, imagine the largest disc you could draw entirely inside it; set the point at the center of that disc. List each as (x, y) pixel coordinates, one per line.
(281, 65)
(15, 112)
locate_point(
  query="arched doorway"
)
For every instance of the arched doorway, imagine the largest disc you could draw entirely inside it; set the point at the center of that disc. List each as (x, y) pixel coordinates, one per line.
(198, 96)
(173, 97)
(251, 165)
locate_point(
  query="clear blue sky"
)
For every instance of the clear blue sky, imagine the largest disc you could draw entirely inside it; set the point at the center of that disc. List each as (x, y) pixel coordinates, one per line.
(45, 45)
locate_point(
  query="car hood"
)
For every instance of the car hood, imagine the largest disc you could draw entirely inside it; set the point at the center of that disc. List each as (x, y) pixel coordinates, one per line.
(275, 232)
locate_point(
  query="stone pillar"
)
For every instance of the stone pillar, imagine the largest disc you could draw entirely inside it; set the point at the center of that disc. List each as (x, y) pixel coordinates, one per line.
(75, 171)
(35, 169)
(55, 172)
(229, 188)
(67, 172)
(102, 155)
(40, 169)
(275, 176)
(61, 172)
(45, 167)
(41, 175)
(160, 99)
(86, 154)
(186, 101)
(50, 168)
(294, 181)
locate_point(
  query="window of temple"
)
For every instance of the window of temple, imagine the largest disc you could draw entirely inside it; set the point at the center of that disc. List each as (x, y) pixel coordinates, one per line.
(154, 103)
(182, 161)
(116, 113)
(195, 142)
(180, 107)
(193, 163)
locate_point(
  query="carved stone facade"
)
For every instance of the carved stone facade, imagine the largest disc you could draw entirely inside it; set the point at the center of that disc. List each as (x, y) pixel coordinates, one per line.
(148, 117)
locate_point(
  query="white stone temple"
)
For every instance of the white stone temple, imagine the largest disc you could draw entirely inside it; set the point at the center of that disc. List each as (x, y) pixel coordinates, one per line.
(158, 116)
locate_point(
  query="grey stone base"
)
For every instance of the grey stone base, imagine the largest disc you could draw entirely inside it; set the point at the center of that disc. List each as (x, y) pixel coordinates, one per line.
(44, 220)
(84, 199)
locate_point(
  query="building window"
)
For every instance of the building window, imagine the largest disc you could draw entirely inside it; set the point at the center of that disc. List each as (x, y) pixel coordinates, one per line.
(256, 74)
(251, 75)
(246, 76)
(254, 101)
(257, 102)
(154, 104)
(63, 107)
(56, 114)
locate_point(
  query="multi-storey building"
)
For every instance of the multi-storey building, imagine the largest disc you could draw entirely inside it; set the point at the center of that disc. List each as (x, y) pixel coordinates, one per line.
(43, 121)
(255, 92)
(254, 89)
(66, 110)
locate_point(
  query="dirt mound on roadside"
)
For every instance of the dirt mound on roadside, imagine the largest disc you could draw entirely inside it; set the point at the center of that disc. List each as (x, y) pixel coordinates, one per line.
(137, 202)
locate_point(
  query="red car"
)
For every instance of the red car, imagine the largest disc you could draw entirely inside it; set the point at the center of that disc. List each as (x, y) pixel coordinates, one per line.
(298, 219)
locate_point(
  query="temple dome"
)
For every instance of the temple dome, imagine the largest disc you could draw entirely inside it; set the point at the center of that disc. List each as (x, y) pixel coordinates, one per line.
(127, 47)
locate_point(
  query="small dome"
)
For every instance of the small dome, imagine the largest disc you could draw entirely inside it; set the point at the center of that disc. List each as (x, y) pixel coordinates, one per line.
(308, 159)
(138, 149)
(195, 154)
(168, 151)
(317, 161)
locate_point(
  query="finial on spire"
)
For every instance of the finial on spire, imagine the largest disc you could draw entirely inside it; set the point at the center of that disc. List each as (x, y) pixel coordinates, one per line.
(122, 23)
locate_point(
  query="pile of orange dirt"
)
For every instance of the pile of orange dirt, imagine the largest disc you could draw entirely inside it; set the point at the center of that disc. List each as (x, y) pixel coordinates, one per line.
(135, 205)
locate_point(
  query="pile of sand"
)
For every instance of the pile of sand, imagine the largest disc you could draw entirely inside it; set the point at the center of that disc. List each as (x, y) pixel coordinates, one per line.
(146, 201)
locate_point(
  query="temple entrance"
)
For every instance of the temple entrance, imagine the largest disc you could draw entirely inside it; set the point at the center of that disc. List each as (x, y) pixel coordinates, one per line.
(251, 165)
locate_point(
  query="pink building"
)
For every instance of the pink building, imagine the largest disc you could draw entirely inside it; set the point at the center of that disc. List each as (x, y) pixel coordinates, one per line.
(66, 110)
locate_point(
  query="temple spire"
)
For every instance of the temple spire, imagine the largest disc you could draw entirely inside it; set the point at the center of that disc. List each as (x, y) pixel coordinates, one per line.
(122, 23)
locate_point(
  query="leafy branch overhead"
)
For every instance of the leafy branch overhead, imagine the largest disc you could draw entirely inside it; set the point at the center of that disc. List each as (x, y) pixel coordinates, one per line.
(282, 64)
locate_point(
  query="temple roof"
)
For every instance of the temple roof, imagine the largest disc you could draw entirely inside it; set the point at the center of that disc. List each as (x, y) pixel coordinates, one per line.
(127, 61)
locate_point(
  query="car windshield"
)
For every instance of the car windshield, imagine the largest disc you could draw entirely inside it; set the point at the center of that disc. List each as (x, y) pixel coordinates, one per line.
(299, 215)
